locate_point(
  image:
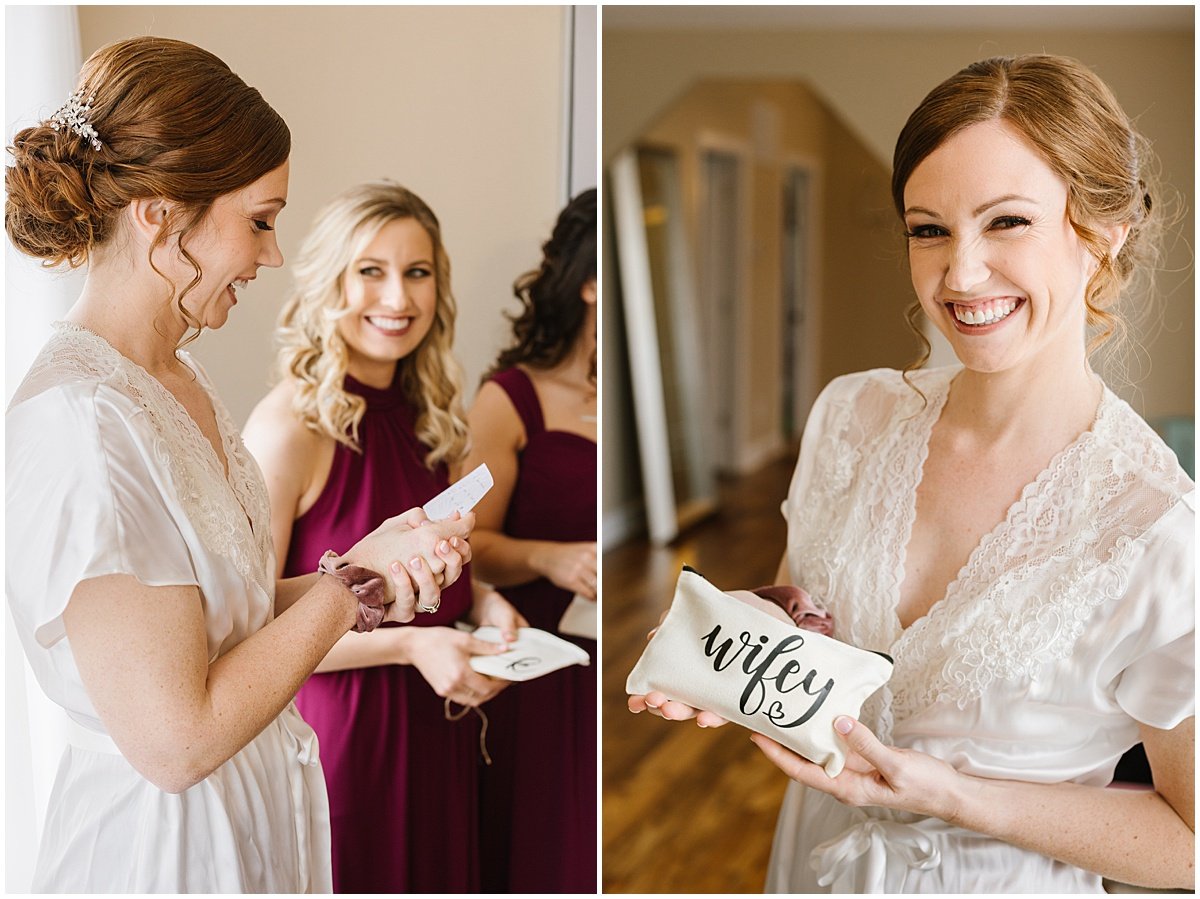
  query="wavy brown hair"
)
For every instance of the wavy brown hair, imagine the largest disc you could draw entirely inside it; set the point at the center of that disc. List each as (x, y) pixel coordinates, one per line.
(173, 121)
(313, 353)
(1072, 118)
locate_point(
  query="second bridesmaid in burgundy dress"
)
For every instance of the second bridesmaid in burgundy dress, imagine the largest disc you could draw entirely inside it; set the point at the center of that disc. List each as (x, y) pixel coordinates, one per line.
(364, 424)
(534, 423)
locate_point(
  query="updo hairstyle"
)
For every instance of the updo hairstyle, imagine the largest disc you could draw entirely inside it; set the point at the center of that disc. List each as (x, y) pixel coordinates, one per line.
(1071, 117)
(553, 313)
(173, 122)
(313, 353)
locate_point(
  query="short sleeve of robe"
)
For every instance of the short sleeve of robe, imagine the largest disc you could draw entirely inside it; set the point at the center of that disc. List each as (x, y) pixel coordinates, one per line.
(85, 497)
(1153, 659)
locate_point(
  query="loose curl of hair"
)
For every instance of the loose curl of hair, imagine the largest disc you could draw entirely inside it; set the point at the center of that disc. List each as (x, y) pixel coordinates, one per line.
(552, 313)
(313, 354)
(174, 122)
(1072, 118)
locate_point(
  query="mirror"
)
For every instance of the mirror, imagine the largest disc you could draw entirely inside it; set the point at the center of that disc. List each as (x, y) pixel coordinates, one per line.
(661, 314)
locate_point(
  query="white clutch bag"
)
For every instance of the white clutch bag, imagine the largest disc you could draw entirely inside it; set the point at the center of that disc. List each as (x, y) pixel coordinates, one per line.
(535, 652)
(750, 667)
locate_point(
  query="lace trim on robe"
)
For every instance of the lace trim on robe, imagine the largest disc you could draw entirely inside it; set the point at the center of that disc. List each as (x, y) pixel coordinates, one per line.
(1027, 590)
(232, 515)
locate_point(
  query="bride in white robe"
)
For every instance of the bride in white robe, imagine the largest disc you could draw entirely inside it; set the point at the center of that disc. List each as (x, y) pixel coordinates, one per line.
(137, 492)
(1008, 530)
(1071, 622)
(140, 571)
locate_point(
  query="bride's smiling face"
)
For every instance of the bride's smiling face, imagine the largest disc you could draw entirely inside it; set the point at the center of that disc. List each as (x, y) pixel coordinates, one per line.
(235, 239)
(995, 261)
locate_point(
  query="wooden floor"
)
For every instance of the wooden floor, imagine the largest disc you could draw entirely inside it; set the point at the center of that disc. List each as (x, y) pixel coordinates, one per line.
(687, 810)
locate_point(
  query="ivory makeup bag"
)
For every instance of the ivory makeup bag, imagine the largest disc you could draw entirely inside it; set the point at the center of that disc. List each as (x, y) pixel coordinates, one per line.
(715, 652)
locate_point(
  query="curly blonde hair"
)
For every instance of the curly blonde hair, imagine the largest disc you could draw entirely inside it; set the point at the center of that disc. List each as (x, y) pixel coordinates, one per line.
(313, 354)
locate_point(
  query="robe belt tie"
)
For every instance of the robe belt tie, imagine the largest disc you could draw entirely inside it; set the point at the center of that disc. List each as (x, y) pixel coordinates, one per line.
(840, 862)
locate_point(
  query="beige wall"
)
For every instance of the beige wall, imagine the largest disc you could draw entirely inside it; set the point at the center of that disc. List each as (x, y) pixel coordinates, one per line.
(746, 113)
(462, 104)
(871, 80)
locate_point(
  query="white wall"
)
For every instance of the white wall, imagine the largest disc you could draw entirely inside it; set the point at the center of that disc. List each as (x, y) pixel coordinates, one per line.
(43, 44)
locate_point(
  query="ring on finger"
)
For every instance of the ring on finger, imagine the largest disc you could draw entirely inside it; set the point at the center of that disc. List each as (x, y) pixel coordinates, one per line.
(430, 608)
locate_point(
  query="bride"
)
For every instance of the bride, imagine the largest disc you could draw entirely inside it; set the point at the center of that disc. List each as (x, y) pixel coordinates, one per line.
(139, 564)
(1011, 532)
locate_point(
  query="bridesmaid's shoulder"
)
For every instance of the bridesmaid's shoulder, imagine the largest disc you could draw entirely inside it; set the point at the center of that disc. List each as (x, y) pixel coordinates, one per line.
(275, 427)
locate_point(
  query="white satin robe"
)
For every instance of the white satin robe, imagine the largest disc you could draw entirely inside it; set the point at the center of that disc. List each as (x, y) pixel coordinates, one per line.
(1070, 623)
(106, 474)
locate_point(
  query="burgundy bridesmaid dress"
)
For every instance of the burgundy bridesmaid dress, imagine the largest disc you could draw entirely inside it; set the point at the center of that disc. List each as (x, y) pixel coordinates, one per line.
(402, 780)
(538, 798)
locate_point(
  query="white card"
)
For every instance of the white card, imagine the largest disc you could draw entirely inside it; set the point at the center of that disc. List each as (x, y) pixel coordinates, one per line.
(535, 653)
(579, 619)
(461, 496)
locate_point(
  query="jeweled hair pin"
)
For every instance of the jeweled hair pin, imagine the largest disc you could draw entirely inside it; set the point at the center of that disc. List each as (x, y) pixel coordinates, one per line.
(74, 115)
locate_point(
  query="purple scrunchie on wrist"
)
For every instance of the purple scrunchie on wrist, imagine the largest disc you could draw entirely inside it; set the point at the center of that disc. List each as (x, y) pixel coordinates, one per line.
(369, 586)
(799, 607)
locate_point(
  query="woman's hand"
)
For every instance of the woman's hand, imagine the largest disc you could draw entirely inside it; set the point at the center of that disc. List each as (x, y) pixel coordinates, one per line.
(490, 609)
(1132, 836)
(443, 656)
(571, 566)
(420, 557)
(875, 774)
(658, 704)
